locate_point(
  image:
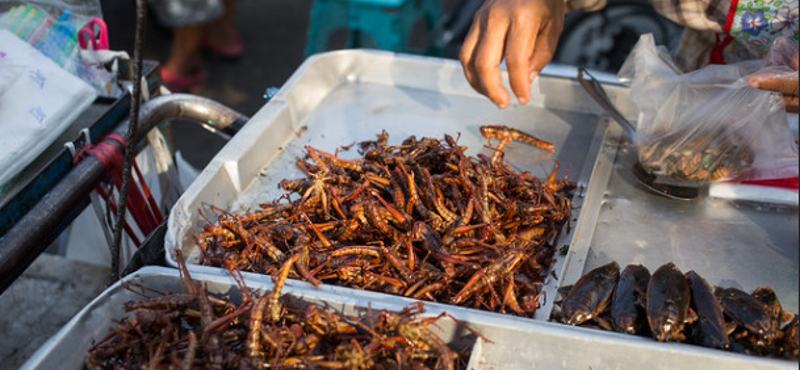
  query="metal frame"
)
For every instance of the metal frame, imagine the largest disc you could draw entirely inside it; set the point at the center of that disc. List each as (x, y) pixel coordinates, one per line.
(44, 212)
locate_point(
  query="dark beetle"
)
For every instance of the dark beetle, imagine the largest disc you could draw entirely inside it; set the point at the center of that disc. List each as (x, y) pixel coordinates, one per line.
(591, 294)
(772, 305)
(748, 312)
(711, 324)
(627, 306)
(668, 296)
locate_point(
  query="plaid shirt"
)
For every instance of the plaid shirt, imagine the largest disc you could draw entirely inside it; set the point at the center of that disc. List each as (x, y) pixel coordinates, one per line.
(703, 19)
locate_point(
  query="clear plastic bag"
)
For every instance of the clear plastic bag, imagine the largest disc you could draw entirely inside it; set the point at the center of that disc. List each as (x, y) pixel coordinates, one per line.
(82, 10)
(780, 72)
(51, 27)
(709, 124)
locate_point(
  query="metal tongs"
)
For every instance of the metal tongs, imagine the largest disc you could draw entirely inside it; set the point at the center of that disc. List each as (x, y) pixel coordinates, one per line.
(650, 181)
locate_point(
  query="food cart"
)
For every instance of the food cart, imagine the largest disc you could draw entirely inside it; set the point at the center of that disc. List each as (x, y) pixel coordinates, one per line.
(337, 98)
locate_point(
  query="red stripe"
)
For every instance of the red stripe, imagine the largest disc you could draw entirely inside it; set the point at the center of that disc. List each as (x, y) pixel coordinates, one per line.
(140, 205)
(717, 56)
(731, 16)
(791, 183)
(156, 212)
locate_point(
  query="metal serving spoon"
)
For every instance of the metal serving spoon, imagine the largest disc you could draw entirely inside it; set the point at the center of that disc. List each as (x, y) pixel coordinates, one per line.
(650, 181)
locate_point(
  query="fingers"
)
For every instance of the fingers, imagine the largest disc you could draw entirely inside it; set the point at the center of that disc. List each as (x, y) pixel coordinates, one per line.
(480, 57)
(544, 49)
(468, 54)
(525, 32)
(487, 57)
(784, 84)
(519, 44)
(546, 44)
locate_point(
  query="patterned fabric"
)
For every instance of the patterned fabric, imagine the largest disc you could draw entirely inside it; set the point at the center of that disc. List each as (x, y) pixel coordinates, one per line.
(749, 26)
(703, 20)
(700, 15)
(728, 31)
(755, 24)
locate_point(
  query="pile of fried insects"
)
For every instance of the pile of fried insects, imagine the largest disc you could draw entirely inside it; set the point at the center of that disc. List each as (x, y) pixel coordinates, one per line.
(196, 330)
(677, 307)
(420, 219)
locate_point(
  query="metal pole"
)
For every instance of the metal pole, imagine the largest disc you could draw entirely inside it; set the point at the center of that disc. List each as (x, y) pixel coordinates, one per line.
(26, 240)
(130, 145)
(29, 237)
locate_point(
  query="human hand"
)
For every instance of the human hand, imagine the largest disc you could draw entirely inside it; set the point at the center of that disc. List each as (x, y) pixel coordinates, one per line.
(780, 81)
(525, 32)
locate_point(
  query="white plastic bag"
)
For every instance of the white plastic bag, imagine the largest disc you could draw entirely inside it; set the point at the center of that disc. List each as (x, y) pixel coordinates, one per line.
(38, 104)
(709, 124)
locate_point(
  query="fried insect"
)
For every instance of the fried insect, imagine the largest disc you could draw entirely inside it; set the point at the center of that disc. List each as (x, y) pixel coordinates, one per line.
(627, 306)
(419, 219)
(214, 332)
(746, 311)
(689, 156)
(711, 330)
(683, 308)
(668, 298)
(505, 134)
(591, 294)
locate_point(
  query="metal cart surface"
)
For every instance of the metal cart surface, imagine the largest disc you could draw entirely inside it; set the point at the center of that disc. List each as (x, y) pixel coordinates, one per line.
(337, 98)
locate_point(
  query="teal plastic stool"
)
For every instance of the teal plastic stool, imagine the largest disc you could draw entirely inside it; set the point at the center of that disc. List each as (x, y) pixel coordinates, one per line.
(388, 23)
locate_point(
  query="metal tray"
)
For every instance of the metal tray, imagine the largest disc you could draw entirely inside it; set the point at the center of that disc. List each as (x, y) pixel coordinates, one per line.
(338, 98)
(67, 348)
(557, 346)
(516, 343)
(729, 244)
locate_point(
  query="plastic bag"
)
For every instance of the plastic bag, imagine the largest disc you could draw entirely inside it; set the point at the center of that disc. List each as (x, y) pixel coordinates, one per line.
(709, 124)
(51, 27)
(82, 10)
(780, 72)
(36, 106)
(10, 71)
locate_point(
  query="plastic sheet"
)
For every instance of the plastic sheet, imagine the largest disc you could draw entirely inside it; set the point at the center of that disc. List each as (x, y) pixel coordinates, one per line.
(709, 124)
(51, 26)
(40, 101)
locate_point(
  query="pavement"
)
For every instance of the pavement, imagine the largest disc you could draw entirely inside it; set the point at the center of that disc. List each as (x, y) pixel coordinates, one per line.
(41, 301)
(274, 36)
(273, 33)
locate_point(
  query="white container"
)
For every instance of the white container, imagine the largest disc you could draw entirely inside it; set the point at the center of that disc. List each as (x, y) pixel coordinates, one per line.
(338, 98)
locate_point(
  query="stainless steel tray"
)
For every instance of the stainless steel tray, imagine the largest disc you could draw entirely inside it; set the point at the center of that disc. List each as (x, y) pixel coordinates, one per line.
(67, 348)
(516, 343)
(730, 245)
(564, 347)
(338, 98)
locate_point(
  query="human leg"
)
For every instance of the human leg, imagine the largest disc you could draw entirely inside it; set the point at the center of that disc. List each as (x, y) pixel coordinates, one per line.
(184, 67)
(221, 35)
